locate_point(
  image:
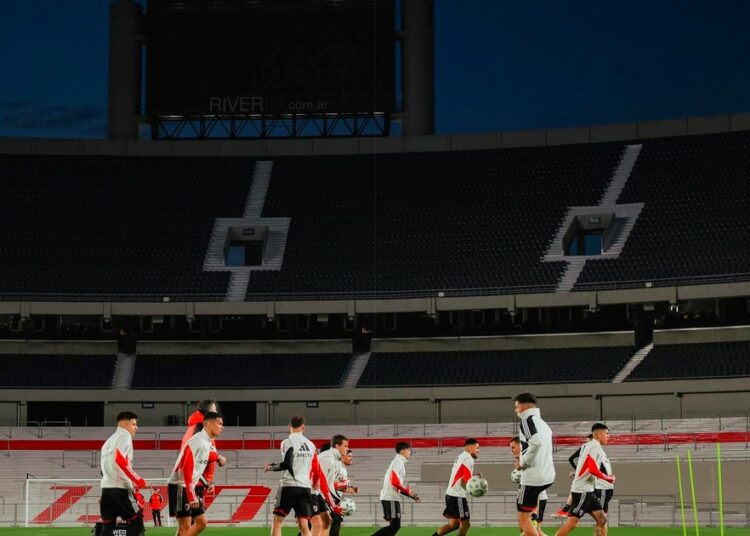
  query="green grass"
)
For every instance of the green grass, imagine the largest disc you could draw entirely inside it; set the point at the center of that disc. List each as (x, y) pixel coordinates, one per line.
(367, 531)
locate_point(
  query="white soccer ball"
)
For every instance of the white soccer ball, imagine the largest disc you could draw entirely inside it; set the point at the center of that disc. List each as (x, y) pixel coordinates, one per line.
(476, 486)
(515, 476)
(348, 506)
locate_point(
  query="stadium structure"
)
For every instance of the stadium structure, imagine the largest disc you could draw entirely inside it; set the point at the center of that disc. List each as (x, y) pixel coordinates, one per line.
(385, 287)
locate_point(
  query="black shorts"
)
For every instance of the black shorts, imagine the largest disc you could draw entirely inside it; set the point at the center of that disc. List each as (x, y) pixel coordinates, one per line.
(290, 498)
(118, 502)
(319, 504)
(528, 497)
(605, 495)
(178, 502)
(456, 507)
(391, 510)
(583, 503)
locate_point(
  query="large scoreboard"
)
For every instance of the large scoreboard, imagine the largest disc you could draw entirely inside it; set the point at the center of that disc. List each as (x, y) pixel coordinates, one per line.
(237, 57)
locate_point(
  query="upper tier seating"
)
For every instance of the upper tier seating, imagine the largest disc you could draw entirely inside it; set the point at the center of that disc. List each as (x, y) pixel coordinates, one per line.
(56, 371)
(235, 371)
(563, 365)
(695, 225)
(78, 227)
(459, 222)
(695, 360)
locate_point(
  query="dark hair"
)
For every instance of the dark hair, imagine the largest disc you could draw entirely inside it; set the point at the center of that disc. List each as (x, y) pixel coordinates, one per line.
(126, 416)
(204, 405)
(525, 398)
(401, 445)
(471, 441)
(515, 439)
(599, 426)
(338, 439)
(296, 421)
(325, 446)
(212, 416)
(590, 436)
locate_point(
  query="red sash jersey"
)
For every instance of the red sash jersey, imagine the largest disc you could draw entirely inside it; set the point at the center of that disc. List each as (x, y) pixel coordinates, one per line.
(196, 419)
(155, 501)
(116, 462)
(463, 467)
(198, 452)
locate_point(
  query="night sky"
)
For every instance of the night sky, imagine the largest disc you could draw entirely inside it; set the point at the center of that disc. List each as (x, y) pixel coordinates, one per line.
(499, 65)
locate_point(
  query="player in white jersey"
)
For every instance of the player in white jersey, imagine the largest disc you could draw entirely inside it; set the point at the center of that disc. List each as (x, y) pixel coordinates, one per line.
(604, 488)
(456, 505)
(342, 485)
(301, 472)
(393, 488)
(537, 516)
(200, 450)
(330, 464)
(119, 480)
(588, 469)
(535, 461)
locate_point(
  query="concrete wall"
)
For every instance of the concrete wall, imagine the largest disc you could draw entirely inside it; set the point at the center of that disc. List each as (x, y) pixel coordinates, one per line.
(58, 347)
(693, 335)
(244, 347)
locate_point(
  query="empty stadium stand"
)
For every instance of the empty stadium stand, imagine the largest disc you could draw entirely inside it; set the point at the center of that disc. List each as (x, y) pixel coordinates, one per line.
(56, 371)
(236, 371)
(697, 361)
(563, 365)
(694, 226)
(94, 227)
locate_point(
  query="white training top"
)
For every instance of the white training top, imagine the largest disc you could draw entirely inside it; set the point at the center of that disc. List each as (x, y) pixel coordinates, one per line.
(537, 466)
(393, 481)
(583, 480)
(463, 468)
(116, 461)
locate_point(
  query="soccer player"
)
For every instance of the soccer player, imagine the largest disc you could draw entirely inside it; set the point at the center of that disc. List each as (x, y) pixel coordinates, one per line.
(456, 505)
(205, 482)
(333, 469)
(573, 461)
(604, 488)
(155, 502)
(534, 461)
(393, 487)
(585, 501)
(184, 502)
(119, 480)
(537, 516)
(343, 486)
(300, 473)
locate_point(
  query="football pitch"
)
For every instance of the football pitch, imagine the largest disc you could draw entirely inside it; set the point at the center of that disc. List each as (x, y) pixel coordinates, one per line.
(367, 531)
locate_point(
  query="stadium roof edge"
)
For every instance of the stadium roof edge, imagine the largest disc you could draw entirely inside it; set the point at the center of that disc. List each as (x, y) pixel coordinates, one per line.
(686, 126)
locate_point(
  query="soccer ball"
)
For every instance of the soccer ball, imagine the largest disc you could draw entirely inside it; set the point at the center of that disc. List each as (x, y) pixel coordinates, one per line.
(348, 506)
(476, 486)
(515, 476)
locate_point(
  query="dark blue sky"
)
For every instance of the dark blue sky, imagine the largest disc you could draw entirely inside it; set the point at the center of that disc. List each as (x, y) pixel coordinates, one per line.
(500, 65)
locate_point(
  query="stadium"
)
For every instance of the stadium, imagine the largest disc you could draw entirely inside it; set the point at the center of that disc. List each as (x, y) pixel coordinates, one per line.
(306, 244)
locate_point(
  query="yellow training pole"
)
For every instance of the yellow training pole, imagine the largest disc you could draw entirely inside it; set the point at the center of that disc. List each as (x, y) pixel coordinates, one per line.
(721, 491)
(682, 498)
(692, 492)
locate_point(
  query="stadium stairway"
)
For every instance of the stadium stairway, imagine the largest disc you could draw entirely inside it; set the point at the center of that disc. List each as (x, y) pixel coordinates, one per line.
(639, 356)
(122, 378)
(356, 367)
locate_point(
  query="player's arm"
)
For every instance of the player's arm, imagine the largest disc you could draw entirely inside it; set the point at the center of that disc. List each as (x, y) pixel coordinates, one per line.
(124, 464)
(188, 468)
(286, 464)
(591, 466)
(403, 490)
(573, 460)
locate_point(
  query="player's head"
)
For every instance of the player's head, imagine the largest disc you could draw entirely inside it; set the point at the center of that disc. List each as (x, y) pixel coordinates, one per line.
(515, 445)
(347, 458)
(471, 446)
(523, 402)
(297, 423)
(600, 431)
(340, 443)
(209, 404)
(403, 448)
(129, 421)
(213, 424)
